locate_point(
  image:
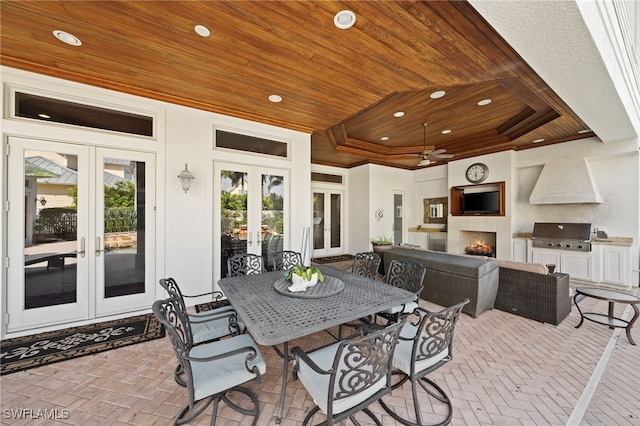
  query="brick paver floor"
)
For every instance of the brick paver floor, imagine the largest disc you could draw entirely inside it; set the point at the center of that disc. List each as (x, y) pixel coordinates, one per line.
(506, 370)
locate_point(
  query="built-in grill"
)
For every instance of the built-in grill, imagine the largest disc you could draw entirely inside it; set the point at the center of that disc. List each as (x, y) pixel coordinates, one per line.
(564, 236)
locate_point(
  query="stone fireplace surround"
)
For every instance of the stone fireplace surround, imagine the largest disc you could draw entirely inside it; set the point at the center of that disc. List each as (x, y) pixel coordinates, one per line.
(462, 230)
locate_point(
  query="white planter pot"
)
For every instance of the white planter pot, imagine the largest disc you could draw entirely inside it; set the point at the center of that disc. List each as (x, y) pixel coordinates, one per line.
(295, 279)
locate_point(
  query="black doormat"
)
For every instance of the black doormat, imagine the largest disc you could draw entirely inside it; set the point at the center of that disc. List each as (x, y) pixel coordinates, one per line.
(22, 353)
(332, 259)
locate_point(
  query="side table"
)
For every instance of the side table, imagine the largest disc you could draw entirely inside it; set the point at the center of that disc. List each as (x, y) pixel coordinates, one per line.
(609, 319)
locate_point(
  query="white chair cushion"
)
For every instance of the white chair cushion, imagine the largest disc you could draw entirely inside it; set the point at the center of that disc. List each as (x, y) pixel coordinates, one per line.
(212, 377)
(407, 308)
(402, 356)
(318, 384)
(211, 329)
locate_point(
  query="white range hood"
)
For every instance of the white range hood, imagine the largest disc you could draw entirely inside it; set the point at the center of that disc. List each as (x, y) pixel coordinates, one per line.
(565, 181)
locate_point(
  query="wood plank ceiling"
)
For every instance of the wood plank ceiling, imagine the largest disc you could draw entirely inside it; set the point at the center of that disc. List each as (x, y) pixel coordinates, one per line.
(341, 85)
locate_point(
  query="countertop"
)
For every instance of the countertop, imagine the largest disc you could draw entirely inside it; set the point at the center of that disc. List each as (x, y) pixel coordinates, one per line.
(426, 230)
(613, 241)
(609, 241)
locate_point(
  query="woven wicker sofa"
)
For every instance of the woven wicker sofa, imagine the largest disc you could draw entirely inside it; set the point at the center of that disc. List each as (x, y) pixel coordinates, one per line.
(450, 278)
(528, 290)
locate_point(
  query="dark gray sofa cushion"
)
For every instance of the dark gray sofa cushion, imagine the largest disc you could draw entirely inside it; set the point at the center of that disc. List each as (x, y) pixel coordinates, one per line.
(450, 278)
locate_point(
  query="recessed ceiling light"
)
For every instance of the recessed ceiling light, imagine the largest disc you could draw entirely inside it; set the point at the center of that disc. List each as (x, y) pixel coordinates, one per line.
(437, 94)
(275, 98)
(344, 19)
(43, 115)
(67, 38)
(484, 102)
(446, 132)
(202, 31)
(384, 138)
(538, 140)
(584, 131)
(398, 113)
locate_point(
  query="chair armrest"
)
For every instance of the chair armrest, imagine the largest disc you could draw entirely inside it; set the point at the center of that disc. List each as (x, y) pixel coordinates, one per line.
(300, 355)
(215, 295)
(252, 354)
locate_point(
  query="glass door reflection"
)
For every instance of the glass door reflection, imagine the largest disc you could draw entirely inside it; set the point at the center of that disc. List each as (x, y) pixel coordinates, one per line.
(234, 209)
(124, 227)
(50, 234)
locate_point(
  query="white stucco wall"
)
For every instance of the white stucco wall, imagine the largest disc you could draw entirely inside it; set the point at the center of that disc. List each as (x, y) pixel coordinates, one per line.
(383, 183)
(431, 182)
(614, 167)
(357, 205)
(184, 226)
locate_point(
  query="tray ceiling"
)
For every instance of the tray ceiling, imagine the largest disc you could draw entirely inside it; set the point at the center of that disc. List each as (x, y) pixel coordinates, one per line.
(341, 85)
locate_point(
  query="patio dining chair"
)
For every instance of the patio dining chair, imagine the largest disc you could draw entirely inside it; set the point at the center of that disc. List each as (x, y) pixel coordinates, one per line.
(213, 370)
(408, 275)
(245, 264)
(423, 348)
(286, 259)
(204, 326)
(366, 263)
(348, 376)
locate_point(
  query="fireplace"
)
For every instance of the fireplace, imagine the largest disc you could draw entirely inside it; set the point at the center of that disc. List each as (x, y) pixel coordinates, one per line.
(478, 243)
(480, 248)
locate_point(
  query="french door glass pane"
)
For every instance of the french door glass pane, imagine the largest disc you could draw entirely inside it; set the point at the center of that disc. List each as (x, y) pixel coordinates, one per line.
(50, 208)
(397, 219)
(272, 217)
(124, 227)
(318, 220)
(233, 215)
(335, 221)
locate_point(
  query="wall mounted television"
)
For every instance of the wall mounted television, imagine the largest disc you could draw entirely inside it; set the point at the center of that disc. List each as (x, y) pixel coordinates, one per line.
(481, 203)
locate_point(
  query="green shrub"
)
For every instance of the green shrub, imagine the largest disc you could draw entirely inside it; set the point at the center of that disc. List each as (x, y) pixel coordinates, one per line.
(120, 219)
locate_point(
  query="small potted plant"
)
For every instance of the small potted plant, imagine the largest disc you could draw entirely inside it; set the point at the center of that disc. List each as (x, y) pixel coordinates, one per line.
(303, 276)
(380, 244)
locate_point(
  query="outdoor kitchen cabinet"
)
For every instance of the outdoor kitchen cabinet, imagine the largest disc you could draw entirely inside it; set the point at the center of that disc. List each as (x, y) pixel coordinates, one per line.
(615, 265)
(519, 250)
(579, 265)
(428, 240)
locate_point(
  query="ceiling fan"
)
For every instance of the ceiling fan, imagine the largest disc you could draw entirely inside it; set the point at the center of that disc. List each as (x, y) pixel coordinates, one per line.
(428, 156)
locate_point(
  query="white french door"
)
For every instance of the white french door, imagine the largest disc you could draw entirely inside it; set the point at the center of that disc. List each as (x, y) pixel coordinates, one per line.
(251, 212)
(327, 222)
(398, 219)
(124, 231)
(81, 240)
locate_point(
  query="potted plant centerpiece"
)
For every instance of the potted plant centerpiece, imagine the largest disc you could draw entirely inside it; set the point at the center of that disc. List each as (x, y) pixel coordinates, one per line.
(303, 277)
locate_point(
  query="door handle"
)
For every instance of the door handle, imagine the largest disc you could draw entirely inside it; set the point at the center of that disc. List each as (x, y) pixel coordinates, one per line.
(81, 252)
(98, 250)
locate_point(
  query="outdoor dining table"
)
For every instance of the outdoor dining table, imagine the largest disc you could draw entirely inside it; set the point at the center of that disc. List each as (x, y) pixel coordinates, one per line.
(274, 316)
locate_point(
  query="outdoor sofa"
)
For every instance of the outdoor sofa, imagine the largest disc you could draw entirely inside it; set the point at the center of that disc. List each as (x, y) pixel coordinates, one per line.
(451, 278)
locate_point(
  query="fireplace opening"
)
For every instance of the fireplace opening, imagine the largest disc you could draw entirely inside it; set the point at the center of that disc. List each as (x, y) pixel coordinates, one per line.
(480, 248)
(478, 243)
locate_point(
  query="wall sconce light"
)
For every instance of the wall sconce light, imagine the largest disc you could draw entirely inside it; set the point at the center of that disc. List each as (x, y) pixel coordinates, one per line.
(43, 201)
(185, 177)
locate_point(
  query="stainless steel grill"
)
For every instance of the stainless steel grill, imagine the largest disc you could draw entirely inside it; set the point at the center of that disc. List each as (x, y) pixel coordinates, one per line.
(563, 236)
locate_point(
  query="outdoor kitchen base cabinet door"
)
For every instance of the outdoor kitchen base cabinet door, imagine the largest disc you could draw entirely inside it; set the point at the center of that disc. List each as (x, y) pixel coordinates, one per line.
(579, 265)
(546, 257)
(615, 265)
